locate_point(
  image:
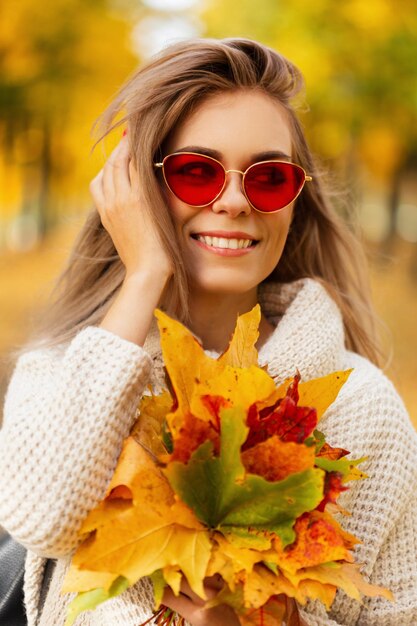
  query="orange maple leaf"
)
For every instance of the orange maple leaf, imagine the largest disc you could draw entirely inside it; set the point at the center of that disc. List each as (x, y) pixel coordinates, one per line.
(275, 459)
(320, 539)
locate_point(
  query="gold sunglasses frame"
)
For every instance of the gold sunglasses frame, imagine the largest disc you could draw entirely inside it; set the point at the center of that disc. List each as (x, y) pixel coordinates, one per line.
(307, 178)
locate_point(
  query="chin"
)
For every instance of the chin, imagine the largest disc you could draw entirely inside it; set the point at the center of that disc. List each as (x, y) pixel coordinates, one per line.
(224, 284)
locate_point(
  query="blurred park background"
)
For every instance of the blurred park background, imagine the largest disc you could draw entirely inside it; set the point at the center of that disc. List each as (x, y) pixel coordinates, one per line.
(61, 62)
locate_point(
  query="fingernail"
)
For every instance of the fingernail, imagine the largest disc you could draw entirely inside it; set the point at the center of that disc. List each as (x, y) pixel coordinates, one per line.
(124, 132)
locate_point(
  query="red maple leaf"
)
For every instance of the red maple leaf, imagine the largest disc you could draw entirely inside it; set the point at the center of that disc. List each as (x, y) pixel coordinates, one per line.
(331, 453)
(284, 419)
(333, 487)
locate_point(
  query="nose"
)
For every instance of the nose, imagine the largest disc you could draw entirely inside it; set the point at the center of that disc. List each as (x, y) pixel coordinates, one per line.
(232, 200)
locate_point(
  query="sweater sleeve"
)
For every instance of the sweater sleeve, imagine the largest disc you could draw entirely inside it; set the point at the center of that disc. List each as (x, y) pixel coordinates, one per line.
(369, 419)
(65, 419)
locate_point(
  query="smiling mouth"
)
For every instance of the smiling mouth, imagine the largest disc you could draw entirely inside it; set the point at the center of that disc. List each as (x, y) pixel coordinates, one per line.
(226, 243)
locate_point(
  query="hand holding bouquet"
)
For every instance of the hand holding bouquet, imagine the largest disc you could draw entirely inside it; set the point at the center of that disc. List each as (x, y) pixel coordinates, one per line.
(224, 474)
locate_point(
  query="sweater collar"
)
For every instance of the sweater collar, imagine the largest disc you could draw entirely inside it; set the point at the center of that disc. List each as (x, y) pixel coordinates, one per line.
(308, 335)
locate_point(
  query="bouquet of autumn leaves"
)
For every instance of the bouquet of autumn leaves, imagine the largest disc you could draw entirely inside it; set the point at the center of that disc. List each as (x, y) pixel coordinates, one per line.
(224, 473)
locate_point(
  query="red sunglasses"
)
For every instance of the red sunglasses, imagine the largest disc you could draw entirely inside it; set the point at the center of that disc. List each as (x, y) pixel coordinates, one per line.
(198, 180)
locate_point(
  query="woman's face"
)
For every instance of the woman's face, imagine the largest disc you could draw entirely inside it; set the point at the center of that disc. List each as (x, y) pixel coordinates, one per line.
(236, 129)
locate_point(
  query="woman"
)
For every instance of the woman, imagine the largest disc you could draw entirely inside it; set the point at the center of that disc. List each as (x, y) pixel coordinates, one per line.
(186, 220)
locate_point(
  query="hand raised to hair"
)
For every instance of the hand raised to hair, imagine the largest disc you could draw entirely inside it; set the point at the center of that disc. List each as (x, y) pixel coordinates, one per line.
(117, 194)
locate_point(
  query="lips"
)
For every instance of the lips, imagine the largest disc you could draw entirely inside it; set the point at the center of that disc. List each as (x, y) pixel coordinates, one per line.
(225, 243)
(225, 234)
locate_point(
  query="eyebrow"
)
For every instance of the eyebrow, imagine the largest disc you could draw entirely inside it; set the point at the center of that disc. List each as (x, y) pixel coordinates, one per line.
(259, 156)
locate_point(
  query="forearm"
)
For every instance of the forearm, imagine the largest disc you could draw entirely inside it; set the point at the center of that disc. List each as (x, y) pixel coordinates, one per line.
(64, 424)
(130, 315)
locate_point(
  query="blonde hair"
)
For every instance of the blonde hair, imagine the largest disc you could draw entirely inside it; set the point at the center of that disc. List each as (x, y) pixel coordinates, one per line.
(155, 99)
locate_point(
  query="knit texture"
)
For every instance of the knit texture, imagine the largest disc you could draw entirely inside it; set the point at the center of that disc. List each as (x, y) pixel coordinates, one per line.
(68, 409)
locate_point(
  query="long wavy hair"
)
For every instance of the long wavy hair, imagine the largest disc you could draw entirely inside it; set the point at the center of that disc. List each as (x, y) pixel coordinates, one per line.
(151, 103)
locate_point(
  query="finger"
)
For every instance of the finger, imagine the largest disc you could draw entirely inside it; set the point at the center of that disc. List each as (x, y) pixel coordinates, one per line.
(133, 175)
(214, 582)
(183, 606)
(187, 591)
(121, 176)
(115, 177)
(195, 614)
(211, 590)
(96, 191)
(180, 603)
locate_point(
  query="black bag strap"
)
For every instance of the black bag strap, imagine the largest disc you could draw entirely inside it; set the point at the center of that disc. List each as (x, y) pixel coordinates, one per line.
(12, 568)
(47, 575)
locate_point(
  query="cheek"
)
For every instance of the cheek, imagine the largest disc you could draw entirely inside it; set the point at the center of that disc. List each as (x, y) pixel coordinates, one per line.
(278, 233)
(280, 225)
(179, 212)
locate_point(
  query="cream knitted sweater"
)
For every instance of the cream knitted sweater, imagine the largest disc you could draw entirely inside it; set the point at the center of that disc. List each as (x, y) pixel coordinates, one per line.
(67, 411)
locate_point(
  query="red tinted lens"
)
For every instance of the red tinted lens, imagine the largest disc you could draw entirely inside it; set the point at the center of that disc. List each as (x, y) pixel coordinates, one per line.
(272, 186)
(193, 178)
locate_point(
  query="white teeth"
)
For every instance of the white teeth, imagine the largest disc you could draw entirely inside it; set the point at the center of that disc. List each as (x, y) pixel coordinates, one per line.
(222, 242)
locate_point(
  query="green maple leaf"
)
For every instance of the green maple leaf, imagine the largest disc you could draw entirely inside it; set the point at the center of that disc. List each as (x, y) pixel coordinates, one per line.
(158, 583)
(88, 600)
(345, 466)
(223, 496)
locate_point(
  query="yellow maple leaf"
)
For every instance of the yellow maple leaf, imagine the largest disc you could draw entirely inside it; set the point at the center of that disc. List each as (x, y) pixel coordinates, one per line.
(240, 558)
(172, 577)
(261, 584)
(133, 544)
(238, 386)
(235, 375)
(345, 576)
(241, 351)
(185, 366)
(148, 427)
(314, 590)
(79, 580)
(320, 393)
